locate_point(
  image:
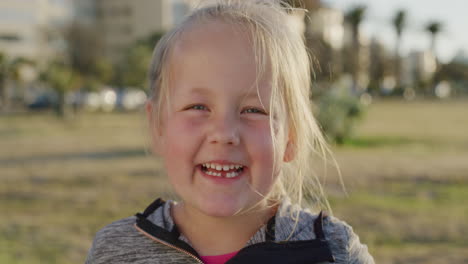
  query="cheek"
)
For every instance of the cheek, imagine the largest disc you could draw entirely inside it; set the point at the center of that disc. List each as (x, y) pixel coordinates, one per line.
(260, 146)
(259, 138)
(268, 165)
(180, 142)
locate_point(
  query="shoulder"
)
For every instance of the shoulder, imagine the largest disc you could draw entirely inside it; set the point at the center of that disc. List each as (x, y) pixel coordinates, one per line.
(116, 229)
(344, 243)
(121, 242)
(116, 234)
(296, 223)
(112, 241)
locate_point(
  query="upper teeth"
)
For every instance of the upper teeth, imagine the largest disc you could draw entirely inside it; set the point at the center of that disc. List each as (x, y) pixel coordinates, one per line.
(220, 167)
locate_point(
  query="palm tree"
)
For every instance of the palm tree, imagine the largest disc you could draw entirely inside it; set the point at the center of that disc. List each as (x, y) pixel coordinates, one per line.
(61, 78)
(434, 28)
(10, 74)
(3, 66)
(354, 17)
(399, 23)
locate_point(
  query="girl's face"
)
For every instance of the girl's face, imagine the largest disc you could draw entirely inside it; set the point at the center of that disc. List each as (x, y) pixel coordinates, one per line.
(215, 137)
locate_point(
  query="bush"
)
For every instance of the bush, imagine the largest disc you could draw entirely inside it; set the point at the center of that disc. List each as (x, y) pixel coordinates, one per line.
(337, 114)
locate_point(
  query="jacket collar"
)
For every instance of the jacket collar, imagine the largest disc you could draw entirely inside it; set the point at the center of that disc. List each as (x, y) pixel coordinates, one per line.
(283, 231)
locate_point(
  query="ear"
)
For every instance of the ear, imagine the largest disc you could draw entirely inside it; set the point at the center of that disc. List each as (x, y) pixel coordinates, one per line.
(149, 110)
(290, 150)
(155, 131)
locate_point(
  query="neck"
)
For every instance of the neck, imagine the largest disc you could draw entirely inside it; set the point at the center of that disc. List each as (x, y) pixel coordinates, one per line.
(210, 235)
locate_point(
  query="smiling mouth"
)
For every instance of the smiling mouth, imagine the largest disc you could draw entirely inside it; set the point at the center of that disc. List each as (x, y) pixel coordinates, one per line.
(219, 170)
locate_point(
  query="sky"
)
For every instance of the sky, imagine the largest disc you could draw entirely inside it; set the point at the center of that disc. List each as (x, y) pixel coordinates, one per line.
(453, 14)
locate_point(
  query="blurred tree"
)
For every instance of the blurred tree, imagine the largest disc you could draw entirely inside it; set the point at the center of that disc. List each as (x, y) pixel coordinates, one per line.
(354, 18)
(61, 78)
(79, 65)
(85, 55)
(338, 109)
(325, 66)
(3, 74)
(456, 73)
(11, 71)
(132, 72)
(323, 59)
(309, 5)
(433, 28)
(150, 41)
(338, 113)
(83, 47)
(378, 68)
(399, 24)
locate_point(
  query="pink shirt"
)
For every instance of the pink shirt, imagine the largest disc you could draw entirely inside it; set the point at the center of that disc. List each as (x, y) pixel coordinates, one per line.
(219, 259)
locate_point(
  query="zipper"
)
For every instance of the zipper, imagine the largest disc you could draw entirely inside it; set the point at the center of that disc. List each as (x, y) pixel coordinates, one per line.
(167, 244)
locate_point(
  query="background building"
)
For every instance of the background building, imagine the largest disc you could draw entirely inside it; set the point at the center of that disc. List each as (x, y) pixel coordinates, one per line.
(124, 22)
(25, 24)
(419, 67)
(328, 24)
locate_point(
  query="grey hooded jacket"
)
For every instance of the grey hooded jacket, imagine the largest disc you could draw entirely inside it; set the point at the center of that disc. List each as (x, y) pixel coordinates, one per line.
(131, 241)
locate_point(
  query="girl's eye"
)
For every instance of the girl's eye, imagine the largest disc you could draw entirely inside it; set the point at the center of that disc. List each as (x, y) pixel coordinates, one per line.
(254, 111)
(196, 107)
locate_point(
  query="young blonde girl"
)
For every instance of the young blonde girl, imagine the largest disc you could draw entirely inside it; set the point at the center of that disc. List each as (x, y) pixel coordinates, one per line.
(230, 116)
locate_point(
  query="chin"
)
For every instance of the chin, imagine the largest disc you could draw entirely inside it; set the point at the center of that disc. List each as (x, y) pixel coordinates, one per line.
(221, 207)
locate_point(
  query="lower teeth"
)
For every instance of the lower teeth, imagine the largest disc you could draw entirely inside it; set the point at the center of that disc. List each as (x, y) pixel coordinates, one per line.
(232, 174)
(219, 174)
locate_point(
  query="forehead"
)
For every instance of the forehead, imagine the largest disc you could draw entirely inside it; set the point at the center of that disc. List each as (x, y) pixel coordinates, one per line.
(213, 37)
(215, 54)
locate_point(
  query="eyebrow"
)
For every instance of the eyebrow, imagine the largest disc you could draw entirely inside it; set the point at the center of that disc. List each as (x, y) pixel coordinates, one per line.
(200, 90)
(252, 94)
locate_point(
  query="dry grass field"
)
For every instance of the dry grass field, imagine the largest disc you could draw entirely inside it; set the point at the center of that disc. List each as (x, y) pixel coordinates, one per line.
(405, 171)
(406, 174)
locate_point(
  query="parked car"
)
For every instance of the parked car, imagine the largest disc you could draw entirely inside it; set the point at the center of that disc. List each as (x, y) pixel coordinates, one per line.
(104, 100)
(131, 99)
(44, 101)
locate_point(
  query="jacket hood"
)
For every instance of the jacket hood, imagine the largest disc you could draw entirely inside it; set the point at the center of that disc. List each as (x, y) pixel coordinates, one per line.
(290, 223)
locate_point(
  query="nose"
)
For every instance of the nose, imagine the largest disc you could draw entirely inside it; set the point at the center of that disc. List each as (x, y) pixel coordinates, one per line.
(224, 131)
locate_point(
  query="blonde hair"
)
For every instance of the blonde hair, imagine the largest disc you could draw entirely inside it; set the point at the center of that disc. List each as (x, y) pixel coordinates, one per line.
(282, 53)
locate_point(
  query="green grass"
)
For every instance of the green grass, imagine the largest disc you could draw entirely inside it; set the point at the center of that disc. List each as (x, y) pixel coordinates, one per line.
(405, 172)
(378, 141)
